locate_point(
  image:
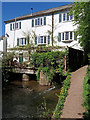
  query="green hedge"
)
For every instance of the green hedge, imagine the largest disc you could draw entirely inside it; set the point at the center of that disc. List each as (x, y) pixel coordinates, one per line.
(86, 94)
(62, 96)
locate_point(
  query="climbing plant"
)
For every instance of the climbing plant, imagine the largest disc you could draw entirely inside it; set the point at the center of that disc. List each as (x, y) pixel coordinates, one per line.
(49, 63)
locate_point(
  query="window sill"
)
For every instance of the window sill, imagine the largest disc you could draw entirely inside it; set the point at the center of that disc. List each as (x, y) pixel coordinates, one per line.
(67, 40)
(38, 26)
(66, 21)
(41, 43)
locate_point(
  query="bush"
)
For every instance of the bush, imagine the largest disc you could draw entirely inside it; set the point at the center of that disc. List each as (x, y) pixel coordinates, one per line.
(49, 63)
(62, 96)
(86, 94)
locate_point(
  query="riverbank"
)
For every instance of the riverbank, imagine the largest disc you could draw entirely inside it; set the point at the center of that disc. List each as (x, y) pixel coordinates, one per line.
(73, 105)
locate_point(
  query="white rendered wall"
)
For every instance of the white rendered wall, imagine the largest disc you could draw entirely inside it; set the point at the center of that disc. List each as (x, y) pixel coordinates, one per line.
(1, 45)
(26, 26)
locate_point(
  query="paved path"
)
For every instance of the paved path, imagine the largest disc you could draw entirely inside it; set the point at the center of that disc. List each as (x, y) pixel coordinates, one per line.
(73, 104)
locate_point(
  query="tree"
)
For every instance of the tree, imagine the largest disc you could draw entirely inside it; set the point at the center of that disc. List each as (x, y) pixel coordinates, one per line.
(81, 12)
(30, 37)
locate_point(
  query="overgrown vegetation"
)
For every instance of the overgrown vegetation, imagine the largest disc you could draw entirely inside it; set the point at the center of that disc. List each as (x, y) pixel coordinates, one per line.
(6, 62)
(86, 94)
(43, 111)
(62, 96)
(49, 63)
(81, 12)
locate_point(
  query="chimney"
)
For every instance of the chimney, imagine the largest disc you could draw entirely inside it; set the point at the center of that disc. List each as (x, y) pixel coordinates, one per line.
(31, 11)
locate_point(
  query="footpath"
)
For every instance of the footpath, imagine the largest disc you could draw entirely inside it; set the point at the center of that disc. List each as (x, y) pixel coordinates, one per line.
(73, 104)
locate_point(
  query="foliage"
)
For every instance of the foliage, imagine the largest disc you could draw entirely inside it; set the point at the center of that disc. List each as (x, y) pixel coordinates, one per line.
(62, 96)
(49, 63)
(47, 58)
(6, 62)
(81, 12)
(44, 112)
(30, 36)
(86, 94)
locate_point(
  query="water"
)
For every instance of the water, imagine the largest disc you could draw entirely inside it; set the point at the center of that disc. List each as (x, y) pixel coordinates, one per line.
(22, 99)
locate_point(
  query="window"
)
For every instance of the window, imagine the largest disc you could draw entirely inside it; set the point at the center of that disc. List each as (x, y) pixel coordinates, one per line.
(59, 37)
(41, 39)
(67, 16)
(75, 37)
(67, 36)
(71, 17)
(35, 21)
(48, 39)
(19, 25)
(21, 57)
(44, 39)
(62, 36)
(32, 23)
(70, 35)
(17, 41)
(21, 41)
(64, 17)
(60, 18)
(41, 21)
(10, 26)
(38, 21)
(35, 40)
(13, 26)
(44, 20)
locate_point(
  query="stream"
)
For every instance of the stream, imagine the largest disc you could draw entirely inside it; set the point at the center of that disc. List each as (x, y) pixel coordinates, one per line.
(22, 99)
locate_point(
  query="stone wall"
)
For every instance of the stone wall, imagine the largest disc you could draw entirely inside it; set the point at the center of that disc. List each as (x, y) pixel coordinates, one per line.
(43, 79)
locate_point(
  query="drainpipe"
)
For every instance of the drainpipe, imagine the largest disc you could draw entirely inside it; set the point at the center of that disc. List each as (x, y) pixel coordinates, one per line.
(52, 28)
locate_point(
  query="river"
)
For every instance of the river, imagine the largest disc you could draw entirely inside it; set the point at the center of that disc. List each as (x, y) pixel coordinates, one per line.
(23, 99)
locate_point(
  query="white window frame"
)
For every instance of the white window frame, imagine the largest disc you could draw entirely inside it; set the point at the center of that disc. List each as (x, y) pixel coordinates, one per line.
(68, 36)
(39, 18)
(15, 27)
(62, 15)
(39, 40)
(20, 41)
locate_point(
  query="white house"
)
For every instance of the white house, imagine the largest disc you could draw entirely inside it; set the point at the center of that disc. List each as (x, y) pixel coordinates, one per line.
(1, 44)
(55, 20)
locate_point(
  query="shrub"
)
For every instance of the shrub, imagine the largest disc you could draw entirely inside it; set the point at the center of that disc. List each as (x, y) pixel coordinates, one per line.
(62, 96)
(86, 94)
(49, 63)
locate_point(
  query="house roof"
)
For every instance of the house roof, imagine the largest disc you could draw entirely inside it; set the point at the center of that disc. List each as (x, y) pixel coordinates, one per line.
(44, 12)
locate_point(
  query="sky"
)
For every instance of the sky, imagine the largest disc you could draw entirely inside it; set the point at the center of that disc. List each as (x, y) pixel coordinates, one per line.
(12, 10)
